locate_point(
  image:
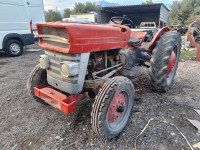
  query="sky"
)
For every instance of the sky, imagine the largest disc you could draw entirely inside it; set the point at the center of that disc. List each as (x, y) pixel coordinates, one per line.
(62, 4)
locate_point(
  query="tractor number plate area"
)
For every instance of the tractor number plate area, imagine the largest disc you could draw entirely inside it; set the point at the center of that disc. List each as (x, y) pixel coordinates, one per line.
(57, 99)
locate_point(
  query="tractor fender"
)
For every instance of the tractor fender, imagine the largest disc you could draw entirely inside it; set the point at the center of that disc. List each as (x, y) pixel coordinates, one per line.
(156, 38)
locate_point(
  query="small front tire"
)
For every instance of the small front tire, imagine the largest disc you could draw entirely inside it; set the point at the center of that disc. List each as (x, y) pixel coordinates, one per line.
(113, 107)
(38, 76)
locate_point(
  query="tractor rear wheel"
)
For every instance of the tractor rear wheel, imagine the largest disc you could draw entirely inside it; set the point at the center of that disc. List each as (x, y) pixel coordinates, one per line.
(113, 107)
(38, 76)
(164, 62)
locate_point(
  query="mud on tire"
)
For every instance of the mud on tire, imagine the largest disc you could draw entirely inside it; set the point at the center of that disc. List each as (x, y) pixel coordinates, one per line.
(103, 120)
(38, 76)
(160, 79)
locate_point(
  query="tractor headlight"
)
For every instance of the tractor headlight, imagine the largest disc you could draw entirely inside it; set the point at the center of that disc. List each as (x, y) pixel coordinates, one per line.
(69, 68)
(44, 62)
(65, 70)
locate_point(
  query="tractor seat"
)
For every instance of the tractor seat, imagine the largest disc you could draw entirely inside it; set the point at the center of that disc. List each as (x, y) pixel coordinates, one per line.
(134, 41)
(136, 38)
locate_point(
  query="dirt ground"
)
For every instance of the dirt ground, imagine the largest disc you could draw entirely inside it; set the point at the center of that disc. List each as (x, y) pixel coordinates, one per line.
(28, 125)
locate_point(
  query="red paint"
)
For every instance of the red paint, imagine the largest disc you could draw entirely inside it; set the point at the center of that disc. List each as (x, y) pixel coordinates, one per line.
(89, 37)
(194, 44)
(157, 37)
(113, 114)
(136, 35)
(192, 40)
(31, 27)
(198, 53)
(57, 99)
(172, 63)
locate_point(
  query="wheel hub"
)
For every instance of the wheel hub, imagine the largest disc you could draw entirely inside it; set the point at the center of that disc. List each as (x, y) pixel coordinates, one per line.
(116, 107)
(172, 63)
(120, 108)
(14, 48)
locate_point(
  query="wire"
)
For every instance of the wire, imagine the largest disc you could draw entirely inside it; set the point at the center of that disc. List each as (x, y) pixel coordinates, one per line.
(135, 144)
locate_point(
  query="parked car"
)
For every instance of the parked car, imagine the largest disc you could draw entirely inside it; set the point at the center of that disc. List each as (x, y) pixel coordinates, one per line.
(149, 27)
(17, 20)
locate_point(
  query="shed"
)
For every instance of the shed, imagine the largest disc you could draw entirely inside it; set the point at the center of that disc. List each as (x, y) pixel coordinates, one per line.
(158, 13)
(91, 16)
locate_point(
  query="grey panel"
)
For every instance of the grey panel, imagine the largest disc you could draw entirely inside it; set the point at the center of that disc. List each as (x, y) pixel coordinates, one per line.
(83, 68)
(55, 58)
(72, 84)
(63, 86)
(164, 14)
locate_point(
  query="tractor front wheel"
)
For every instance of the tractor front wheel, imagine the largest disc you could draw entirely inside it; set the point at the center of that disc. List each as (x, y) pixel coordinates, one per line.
(113, 107)
(164, 62)
(38, 76)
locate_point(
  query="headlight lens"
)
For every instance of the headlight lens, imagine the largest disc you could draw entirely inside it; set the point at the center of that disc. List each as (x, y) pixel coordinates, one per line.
(65, 70)
(69, 68)
(44, 62)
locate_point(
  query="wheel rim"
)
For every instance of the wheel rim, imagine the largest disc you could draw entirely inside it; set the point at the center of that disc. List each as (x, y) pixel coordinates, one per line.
(172, 64)
(117, 109)
(15, 48)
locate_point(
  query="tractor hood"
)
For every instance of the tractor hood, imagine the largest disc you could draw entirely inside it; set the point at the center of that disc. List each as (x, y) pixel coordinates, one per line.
(73, 37)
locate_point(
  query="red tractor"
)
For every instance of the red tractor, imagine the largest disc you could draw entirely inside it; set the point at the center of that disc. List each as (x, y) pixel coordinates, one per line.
(98, 60)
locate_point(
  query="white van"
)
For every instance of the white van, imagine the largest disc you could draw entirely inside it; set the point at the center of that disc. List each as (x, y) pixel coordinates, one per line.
(37, 13)
(16, 25)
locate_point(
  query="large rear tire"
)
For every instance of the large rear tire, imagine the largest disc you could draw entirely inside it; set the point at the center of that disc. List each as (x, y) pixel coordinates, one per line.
(113, 107)
(164, 62)
(38, 76)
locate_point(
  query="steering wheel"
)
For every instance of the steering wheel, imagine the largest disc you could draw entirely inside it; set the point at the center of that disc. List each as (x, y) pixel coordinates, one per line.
(123, 19)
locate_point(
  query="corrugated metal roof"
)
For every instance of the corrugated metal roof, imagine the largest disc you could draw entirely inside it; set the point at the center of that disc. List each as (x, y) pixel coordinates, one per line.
(138, 13)
(140, 6)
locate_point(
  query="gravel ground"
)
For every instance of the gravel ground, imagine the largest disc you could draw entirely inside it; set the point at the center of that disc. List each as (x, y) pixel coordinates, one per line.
(28, 125)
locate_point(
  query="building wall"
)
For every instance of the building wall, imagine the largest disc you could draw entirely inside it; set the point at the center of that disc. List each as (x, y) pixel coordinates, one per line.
(164, 14)
(84, 16)
(105, 16)
(137, 18)
(159, 15)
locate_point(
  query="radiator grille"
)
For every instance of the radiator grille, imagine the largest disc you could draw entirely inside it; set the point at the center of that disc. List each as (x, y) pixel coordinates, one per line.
(61, 32)
(55, 59)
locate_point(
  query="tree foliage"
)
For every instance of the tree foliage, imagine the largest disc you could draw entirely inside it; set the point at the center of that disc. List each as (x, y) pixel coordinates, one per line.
(67, 13)
(53, 16)
(184, 11)
(85, 7)
(173, 17)
(147, 2)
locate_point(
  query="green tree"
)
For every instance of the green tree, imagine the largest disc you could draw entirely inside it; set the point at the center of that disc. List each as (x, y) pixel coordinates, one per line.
(196, 8)
(79, 8)
(174, 10)
(52, 16)
(85, 7)
(184, 11)
(67, 13)
(147, 2)
(91, 7)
